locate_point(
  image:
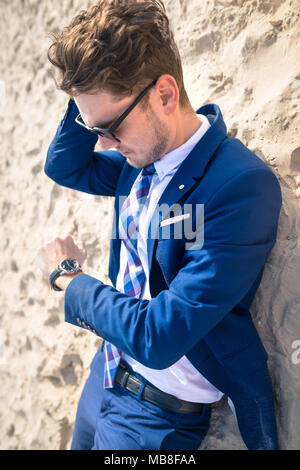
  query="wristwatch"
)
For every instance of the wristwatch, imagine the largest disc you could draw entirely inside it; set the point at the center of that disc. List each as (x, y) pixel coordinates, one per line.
(67, 266)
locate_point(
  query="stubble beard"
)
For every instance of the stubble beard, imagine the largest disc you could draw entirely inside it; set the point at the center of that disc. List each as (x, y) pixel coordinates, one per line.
(160, 146)
(159, 138)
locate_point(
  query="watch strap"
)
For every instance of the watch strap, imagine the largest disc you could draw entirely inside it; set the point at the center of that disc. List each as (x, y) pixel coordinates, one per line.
(53, 276)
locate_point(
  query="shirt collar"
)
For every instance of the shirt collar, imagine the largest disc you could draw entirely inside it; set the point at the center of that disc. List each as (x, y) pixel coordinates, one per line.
(169, 163)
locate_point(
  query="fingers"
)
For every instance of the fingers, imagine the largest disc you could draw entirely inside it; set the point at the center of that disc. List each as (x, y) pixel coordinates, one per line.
(81, 245)
(66, 246)
(68, 238)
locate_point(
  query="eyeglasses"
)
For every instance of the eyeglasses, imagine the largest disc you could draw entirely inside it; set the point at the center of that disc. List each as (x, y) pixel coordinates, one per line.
(109, 132)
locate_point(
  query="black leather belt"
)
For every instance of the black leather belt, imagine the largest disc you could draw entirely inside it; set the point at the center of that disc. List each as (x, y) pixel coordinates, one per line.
(157, 397)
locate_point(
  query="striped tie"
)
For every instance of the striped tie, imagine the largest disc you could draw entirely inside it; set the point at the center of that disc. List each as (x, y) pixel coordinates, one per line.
(134, 275)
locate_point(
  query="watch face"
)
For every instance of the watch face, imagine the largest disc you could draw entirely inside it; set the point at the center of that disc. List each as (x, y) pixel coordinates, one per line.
(69, 264)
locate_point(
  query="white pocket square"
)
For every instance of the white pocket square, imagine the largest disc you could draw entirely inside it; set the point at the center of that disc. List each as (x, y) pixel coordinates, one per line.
(175, 219)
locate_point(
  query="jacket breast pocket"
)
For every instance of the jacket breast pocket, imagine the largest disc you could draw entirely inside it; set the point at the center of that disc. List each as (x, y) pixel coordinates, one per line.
(169, 254)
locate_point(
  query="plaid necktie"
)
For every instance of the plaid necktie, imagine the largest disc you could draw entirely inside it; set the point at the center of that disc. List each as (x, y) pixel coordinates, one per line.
(134, 275)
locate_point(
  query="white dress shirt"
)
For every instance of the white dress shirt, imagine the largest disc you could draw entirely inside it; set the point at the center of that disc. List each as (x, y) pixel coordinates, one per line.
(181, 379)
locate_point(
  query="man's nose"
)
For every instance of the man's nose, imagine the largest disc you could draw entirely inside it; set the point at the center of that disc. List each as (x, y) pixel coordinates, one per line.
(106, 143)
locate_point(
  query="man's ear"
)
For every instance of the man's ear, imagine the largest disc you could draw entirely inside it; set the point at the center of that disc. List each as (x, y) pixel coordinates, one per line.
(169, 93)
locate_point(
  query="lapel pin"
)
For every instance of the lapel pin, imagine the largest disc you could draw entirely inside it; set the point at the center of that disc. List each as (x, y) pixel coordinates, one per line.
(181, 186)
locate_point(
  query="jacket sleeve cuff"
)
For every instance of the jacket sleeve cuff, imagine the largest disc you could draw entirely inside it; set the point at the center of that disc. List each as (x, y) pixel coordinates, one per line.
(72, 305)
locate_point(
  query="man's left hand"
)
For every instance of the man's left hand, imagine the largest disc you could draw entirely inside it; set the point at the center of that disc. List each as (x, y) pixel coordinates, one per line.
(53, 252)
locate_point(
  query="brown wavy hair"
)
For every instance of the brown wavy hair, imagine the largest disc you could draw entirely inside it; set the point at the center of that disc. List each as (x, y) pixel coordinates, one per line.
(116, 45)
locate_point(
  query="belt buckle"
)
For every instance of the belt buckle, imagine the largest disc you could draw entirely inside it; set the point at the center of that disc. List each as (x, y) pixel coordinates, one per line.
(124, 378)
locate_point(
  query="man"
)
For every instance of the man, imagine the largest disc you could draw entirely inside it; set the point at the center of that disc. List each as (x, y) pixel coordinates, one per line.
(176, 323)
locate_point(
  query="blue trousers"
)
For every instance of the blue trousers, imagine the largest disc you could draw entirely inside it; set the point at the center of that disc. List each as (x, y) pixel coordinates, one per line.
(116, 419)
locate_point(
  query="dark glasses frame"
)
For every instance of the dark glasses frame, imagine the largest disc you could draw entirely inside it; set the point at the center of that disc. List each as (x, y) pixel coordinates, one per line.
(109, 132)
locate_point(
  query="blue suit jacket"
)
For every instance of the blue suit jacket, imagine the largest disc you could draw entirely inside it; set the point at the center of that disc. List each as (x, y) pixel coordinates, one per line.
(201, 297)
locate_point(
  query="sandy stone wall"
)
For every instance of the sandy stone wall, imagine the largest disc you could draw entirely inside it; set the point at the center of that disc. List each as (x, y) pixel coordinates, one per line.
(242, 55)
